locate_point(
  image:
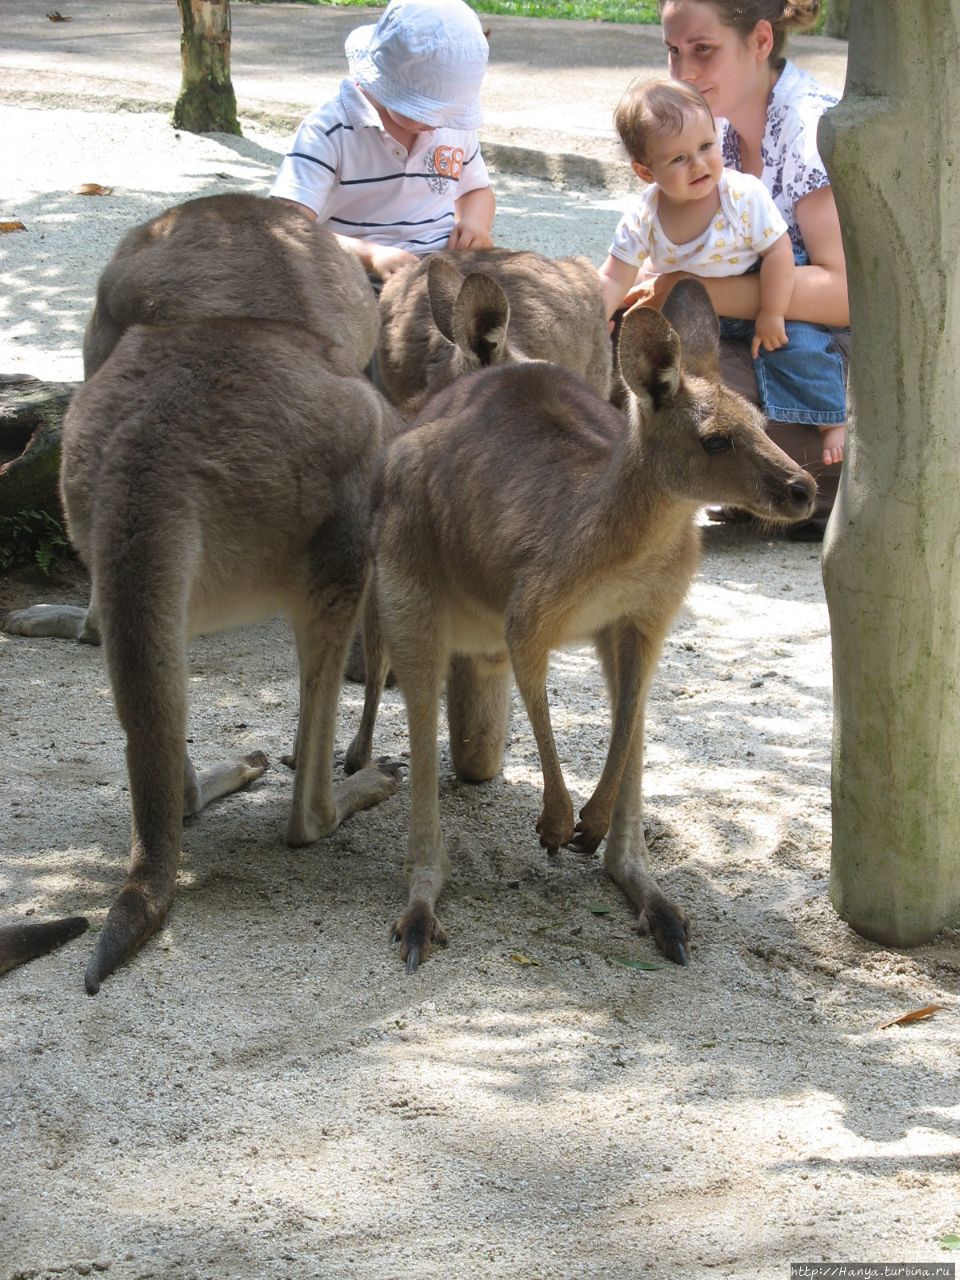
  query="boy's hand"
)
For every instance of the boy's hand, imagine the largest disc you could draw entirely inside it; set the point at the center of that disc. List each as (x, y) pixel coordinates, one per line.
(385, 260)
(769, 332)
(467, 235)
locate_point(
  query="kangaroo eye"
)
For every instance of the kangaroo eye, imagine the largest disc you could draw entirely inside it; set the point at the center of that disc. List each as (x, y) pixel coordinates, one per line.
(716, 443)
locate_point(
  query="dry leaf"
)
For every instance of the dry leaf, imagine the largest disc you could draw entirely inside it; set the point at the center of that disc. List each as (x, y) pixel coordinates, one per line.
(56, 16)
(91, 189)
(11, 224)
(914, 1015)
(522, 959)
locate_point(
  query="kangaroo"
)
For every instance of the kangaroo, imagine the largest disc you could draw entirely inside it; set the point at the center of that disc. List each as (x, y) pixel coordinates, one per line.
(229, 255)
(446, 316)
(461, 310)
(520, 513)
(215, 470)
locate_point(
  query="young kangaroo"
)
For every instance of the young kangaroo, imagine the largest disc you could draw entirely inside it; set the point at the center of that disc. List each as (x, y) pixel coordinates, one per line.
(216, 470)
(449, 315)
(520, 513)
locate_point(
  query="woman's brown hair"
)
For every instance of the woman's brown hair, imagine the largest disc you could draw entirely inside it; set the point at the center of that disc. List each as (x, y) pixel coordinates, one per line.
(784, 16)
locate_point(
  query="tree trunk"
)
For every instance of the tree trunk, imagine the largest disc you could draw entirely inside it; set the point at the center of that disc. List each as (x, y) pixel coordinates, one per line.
(31, 413)
(891, 564)
(207, 103)
(838, 18)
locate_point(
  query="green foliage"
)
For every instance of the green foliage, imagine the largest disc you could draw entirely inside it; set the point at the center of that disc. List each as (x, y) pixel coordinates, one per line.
(588, 10)
(32, 537)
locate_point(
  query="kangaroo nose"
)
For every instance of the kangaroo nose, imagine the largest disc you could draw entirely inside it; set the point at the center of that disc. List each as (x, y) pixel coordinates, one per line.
(799, 490)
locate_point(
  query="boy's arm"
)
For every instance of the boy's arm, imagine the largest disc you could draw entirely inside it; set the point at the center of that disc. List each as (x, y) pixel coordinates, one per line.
(776, 287)
(376, 259)
(616, 278)
(473, 213)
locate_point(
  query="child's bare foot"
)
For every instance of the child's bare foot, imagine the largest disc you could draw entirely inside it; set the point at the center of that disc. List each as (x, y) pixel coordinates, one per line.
(832, 439)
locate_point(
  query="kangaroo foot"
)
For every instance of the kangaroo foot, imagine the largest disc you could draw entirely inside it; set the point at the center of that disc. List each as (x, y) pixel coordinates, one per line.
(416, 931)
(369, 786)
(57, 621)
(669, 927)
(22, 942)
(132, 919)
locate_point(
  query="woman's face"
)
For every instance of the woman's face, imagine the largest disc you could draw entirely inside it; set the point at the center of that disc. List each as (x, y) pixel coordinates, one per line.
(729, 71)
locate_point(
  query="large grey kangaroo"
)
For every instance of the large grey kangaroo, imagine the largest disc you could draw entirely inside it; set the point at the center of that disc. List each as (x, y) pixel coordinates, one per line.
(520, 513)
(216, 468)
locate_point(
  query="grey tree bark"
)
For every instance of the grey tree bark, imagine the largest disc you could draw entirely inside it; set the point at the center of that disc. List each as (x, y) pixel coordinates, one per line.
(891, 564)
(207, 103)
(838, 18)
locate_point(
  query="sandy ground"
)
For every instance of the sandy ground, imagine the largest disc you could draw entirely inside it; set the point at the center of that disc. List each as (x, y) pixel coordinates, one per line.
(265, 1093)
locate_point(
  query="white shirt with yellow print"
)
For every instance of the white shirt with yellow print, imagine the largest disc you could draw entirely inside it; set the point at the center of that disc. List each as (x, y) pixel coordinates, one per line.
(746, 225)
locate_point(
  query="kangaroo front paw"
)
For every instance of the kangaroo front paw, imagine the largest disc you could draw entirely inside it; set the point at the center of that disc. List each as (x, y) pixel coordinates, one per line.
(417, 930)
(555, 828)
(590, 830)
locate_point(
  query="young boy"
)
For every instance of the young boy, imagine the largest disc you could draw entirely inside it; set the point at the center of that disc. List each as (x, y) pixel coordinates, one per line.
(700, 218)
(392, 164)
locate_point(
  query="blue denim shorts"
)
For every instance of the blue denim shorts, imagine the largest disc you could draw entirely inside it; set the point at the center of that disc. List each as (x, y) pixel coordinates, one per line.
(805, 381)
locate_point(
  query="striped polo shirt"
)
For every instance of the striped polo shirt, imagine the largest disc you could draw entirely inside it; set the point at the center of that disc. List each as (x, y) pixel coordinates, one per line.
(361, 182)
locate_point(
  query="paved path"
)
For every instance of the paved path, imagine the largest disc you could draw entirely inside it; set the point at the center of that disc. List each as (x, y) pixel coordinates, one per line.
(548, 97)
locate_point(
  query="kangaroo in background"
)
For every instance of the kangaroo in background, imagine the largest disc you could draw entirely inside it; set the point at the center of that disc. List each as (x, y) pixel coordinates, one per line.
(451, 314)
(216, 469)
(520, 513)
(460, 310)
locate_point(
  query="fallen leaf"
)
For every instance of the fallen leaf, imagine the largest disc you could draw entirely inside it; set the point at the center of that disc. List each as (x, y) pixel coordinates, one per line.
(525, 960)
(950, 1242)
(56, 16)
(91, 189)
(597, 908)
(11, 224)
(914, 1015)
(639, 964)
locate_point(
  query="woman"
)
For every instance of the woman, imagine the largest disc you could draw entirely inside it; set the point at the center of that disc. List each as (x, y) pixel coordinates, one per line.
(732, 51)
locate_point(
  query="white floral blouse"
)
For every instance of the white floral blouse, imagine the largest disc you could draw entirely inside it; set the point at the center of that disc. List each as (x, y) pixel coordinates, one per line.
(792, 167)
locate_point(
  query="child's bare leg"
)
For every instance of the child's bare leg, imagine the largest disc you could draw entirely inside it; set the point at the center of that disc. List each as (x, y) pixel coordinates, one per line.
(832, 439)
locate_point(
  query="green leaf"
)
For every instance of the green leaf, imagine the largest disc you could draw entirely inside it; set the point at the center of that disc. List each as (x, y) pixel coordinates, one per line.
(639, 964)
(950, 1242)
(597, 908)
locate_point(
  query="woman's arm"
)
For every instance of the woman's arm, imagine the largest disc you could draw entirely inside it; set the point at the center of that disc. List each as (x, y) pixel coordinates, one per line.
(820, 289)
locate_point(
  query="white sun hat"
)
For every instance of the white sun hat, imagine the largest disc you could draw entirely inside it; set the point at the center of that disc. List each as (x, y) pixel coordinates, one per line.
(424, 59)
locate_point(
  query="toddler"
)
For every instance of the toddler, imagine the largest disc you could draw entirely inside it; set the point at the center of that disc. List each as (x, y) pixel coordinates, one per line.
(392, 163)
(705, 220)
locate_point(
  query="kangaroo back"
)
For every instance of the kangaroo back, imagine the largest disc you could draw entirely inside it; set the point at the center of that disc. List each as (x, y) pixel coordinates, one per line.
(230, 256)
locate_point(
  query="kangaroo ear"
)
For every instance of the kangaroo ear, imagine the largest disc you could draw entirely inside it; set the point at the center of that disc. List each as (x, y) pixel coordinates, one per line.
(481, 316)
(444, 282)
(690, 311)
(649, 355)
